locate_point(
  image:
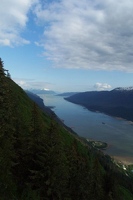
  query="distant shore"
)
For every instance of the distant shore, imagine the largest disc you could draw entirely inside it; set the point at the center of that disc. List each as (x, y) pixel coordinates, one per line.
(123, 160)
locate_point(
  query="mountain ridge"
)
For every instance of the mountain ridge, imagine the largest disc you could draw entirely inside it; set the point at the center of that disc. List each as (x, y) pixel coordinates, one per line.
(117, 102)
(41, 91)
(41, 160)
(124, 88)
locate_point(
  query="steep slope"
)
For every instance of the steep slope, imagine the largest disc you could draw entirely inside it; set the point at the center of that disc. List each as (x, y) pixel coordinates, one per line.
(118, 102)
(40, 159)
(39, 102)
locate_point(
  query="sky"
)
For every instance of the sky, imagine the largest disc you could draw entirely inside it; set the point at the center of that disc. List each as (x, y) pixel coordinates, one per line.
(68, 45)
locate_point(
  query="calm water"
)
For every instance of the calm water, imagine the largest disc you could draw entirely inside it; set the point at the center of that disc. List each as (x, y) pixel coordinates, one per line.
(98, 126)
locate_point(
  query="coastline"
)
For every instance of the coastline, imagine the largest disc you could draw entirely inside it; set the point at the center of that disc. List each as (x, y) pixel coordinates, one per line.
(123, 160)
(120, 159)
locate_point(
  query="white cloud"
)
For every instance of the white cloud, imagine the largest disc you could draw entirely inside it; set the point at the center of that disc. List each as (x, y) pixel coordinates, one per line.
(88, 34)
(32, 84)
(102, 86)
(14, 16)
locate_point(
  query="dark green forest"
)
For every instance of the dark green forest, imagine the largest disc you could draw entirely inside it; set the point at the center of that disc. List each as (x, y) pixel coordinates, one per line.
(41, 160)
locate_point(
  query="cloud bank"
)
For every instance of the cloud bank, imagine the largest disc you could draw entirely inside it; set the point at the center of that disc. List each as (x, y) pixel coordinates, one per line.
(14, 16)
(95, 35)
(87, 34)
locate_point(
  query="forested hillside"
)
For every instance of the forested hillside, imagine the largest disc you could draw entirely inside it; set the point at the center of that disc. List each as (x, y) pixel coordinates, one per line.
(117, 102)
(41, 160)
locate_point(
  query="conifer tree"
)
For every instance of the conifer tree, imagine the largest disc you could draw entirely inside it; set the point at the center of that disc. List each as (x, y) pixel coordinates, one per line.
(96, 191)
(32, 151)
(45, 163)
(56, 172)
(6, 135)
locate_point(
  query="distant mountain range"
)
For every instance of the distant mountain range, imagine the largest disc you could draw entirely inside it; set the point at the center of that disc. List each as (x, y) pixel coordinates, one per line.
(117, 102)
(66, 94)
(41, 91)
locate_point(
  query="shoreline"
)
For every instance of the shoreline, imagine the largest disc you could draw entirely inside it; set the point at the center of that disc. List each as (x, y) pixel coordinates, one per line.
(123, 160)
(120, 159)
(130, 121)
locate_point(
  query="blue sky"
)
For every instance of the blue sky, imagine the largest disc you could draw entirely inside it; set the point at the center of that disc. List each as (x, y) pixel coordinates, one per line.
(68, 45)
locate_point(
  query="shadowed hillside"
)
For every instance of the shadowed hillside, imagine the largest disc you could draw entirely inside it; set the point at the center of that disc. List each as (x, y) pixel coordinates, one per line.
(118, 102)
(41, 160)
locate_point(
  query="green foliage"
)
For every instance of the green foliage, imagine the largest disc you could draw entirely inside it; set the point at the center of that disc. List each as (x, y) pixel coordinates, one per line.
(41, 160)
(124, 193)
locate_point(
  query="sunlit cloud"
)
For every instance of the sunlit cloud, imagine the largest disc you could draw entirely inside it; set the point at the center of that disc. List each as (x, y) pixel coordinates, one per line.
(87, 34)
(14, 17)
(102, 86)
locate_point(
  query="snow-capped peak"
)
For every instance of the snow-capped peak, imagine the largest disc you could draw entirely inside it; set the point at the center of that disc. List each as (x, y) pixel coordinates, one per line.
(124, 88)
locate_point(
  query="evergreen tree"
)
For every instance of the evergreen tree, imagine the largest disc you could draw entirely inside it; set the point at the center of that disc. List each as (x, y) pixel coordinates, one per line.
(40, 160)
(8, 75)
(78, 169)
(6, 136)
(96, 186)
(56, 178)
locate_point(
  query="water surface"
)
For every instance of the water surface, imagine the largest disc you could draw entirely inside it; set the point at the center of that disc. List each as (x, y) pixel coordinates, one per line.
(117, 133)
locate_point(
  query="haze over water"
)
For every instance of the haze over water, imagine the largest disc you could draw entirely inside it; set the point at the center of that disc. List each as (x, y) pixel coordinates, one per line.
(117, 133)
